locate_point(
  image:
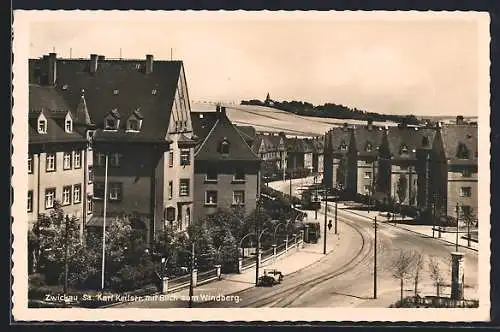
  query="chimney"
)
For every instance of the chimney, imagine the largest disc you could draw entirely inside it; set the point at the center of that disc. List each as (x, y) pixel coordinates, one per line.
(93, 63)
(344, 127)
(149, 63)
(460, 120)
(101, 57)
(52, 68)
(370, 124)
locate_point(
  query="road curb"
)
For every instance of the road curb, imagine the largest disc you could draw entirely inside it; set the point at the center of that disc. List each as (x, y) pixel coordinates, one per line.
(409, 230)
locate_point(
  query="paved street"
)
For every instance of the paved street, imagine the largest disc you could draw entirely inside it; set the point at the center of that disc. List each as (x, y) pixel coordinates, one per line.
(343, 278)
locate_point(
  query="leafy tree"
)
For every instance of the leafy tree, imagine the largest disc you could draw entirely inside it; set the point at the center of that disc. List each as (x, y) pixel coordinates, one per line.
(55, 240)
(417, 268)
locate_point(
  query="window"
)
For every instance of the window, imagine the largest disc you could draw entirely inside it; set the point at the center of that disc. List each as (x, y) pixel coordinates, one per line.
(170, 189)
(115, 191)
(184, 187)
(67, 160)
(77, 159)
(238, 197)
(91, 174)
(133, 125)
(68, 125)
(343, 147)
(110, 124)
(90, 204)
(224, 146)
(211, 197)
(368, 147)
(239, 175)
(404, 149)
(30, 200)
(465, 192)
(212, 175)
(101, 159)
(153, 92)
(171, 159)
(66, 198)
(30, 164)
(98, 190)
(368, 175)
(185, 157)
(50, 165)
(403, 167)
(42, 126)
(368, 163)
(467, 172)
(50, 196)
(77, 193)
(367, 189)
(90, 136)
(462, 151)
(115, 159)
(115, 92)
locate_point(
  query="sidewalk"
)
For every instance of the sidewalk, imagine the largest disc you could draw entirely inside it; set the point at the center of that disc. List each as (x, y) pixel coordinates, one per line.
(294, 260)
(449, 237)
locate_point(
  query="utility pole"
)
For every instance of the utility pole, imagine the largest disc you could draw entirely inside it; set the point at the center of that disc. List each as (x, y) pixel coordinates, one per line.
(375, 262)
(66, 234)
(290, 179)
(324, 230)
(456, 237)
(335, 217)
(257, 233)
(315, 199)
(191, 279)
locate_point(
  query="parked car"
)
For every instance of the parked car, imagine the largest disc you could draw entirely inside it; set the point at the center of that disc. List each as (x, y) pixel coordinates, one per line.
(266, 281)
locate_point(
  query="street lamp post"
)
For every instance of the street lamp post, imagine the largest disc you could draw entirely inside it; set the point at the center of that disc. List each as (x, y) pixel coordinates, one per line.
(335, 217)
(315, 199)
(324, 230)
(257, 232)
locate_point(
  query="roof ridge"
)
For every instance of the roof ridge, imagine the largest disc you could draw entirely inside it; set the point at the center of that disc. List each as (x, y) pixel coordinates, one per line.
(206, 137)
(238, 132)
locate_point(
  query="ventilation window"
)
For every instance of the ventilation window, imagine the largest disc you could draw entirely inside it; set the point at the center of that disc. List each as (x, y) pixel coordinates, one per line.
(42, 126)
(153, 92)
(115, 92)
(368, 147)
(224, 146)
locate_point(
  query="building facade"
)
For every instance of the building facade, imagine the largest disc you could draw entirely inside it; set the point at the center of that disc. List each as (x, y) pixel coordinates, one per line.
(227, 171)
(137, 118)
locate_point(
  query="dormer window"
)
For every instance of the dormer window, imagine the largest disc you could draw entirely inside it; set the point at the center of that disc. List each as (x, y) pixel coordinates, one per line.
(68, 124)
(425, 141)
(115, 92)
(133, 125)
(153, 92)
(368, 147)
(224, 146)
(404, 149)
(112, 121)
(134, 122)
(42, 126)
(343, 146)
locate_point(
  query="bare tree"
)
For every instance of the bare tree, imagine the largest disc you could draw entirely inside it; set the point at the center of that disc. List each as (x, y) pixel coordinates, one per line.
(436, 273)
(402, 267)
(418, 266)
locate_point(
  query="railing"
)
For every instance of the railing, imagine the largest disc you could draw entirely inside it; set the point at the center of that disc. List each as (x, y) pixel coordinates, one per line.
(280, 249)
(179, 282)
(207, 276)
(267, 254)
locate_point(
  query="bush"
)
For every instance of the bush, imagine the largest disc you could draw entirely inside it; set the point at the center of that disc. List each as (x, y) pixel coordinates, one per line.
(36, 280)
(448, 221)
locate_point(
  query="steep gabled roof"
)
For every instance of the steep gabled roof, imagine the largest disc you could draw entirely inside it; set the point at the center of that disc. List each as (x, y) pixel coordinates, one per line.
(364, 136)
(298, 145)
(133, 90)
(413, 139)
(47, 100)
(202, 123)
(456, 136)
(223, 130)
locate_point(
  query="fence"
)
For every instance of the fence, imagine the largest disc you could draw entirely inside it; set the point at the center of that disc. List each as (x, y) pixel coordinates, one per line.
(184, 281)
(207, 276)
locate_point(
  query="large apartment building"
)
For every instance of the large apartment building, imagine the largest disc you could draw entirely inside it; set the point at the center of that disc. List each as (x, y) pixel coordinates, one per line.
(137, 118)
(59, 157)
(227, 171)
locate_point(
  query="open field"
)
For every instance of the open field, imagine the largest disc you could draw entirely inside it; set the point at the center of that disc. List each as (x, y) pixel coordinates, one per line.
(270, 119)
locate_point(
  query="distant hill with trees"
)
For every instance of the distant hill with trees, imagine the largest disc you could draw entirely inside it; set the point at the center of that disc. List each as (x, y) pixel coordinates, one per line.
(331, 110)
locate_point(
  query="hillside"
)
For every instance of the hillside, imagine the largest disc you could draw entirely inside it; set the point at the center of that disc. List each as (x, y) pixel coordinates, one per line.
(274, 120)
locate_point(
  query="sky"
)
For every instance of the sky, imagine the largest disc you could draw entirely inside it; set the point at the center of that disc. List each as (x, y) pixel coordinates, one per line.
(414, 66)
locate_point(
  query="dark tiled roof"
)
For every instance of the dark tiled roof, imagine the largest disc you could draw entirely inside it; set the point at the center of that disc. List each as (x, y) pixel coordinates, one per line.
(412, 139)
(454, 135)
(134, 91)
(338, 137)
(248, 131)
(364, 136)
(298, 145)
(221, 130)
(47, 100)
(202, 123)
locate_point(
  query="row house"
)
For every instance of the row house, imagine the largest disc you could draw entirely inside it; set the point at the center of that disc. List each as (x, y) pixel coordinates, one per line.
(137, 119)
(454, 167)
(272, 147)
(424, 167)
(226, 170)
(299, 154)
(58, 157)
